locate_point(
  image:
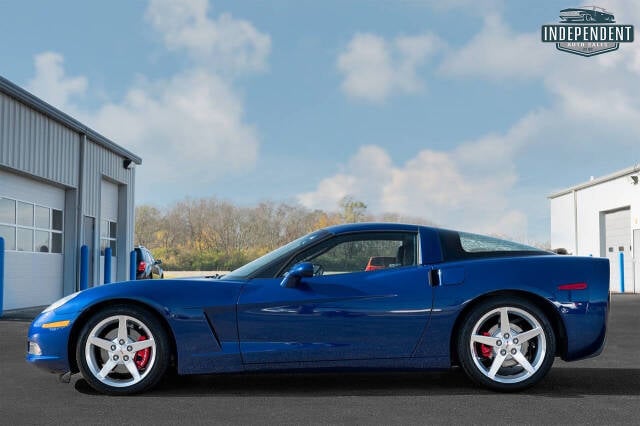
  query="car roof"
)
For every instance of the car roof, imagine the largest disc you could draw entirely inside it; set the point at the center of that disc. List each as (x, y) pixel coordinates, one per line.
(373, 226)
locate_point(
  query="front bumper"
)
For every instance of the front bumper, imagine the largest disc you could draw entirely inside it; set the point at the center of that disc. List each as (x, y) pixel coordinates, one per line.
(48, 342)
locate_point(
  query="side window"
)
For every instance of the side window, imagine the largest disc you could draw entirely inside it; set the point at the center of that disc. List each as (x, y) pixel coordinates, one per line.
(361, 252)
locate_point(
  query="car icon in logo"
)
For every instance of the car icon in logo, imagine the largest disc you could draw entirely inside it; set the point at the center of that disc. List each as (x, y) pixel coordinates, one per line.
(589, 14)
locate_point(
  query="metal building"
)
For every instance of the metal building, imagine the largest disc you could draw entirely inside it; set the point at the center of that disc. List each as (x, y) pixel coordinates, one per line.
(601, 217)
(62, 185)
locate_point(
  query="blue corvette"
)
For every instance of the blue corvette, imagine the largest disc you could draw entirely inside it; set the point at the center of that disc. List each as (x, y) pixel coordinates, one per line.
(501, 310)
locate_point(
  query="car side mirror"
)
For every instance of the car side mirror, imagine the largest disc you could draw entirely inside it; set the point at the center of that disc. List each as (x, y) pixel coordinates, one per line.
(158, 262)
(296, 273)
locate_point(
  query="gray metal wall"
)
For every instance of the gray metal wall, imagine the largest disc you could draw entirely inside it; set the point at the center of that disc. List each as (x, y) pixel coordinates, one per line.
(34, 144)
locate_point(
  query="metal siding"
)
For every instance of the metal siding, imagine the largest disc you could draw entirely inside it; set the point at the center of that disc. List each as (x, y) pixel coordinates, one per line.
(33, 144)
(63, 154)
(20, 95)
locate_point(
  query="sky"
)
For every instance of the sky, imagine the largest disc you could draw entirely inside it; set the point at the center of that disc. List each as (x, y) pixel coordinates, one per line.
(453, 111)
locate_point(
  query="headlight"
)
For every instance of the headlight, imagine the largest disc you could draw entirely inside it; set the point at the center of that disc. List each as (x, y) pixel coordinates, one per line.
(58, 303)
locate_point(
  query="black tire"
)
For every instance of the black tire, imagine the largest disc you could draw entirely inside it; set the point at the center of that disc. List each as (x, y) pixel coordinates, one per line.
(508, 363)
(108, 351)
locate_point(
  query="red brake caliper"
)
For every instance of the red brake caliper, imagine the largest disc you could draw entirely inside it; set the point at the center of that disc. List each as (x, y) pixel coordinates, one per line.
(142, 356)
(485, 350)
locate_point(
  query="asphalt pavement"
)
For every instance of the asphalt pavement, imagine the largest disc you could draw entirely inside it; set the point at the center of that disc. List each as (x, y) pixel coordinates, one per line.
(601, 390)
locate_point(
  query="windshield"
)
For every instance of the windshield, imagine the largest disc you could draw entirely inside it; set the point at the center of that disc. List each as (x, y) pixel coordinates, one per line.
(251, 267)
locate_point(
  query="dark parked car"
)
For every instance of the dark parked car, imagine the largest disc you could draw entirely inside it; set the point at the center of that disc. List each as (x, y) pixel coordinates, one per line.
(593, 14)
(148, 268)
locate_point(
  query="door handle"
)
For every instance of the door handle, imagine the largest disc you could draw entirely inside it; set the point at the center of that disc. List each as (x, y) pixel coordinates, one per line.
(434, 277)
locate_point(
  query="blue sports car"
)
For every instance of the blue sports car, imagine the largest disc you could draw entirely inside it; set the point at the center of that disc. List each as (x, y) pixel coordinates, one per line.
(501, 310)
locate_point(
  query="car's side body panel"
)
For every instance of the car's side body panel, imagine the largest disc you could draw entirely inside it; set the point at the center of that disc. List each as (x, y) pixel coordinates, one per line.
(362, 315)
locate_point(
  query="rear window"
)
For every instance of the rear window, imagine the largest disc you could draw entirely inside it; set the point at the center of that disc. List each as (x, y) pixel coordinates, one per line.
(473, 243)
(464, 245)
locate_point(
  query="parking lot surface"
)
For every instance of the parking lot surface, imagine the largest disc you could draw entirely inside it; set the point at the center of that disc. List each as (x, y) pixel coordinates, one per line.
(602, 390)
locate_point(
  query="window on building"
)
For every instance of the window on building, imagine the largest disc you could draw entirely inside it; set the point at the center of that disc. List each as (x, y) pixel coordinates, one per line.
(30, 227)
(108, 232)
(7, 210)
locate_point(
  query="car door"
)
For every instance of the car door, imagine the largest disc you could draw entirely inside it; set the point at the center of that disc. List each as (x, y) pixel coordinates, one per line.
(343, 312)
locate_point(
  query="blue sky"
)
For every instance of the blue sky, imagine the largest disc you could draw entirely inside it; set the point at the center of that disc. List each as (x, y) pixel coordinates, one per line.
(452, 111)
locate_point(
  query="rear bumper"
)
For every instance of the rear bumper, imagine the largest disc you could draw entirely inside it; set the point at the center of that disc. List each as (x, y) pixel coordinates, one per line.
(586, 328)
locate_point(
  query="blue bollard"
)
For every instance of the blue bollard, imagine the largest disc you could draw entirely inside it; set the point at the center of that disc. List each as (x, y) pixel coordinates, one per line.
(133, 262)
(84, 267)
(621, 256)
(1, 276)
(107, 265)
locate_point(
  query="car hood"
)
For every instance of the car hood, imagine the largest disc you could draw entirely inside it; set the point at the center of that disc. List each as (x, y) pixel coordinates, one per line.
(163, 295)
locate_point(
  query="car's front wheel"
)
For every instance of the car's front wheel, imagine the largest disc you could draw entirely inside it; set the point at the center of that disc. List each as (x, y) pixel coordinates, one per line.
(123, 350)
(506, 344)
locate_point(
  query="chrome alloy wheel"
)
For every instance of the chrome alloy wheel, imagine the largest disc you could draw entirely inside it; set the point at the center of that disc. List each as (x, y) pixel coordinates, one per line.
(120, 351)
(508, 345)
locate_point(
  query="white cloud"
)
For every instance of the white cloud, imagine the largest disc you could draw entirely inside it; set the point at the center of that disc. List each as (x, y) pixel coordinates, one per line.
(189, 128)
(51, 83)
(374, 68)
(471, 8)
(497, 52)
(223, 43)
(449, 188)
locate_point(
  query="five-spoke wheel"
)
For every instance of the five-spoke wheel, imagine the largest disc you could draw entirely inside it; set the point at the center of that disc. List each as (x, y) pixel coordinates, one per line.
(122, 350)
(506, 344)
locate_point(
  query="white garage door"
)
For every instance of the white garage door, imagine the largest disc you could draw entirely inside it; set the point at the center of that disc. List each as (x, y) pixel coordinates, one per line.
(31, 223)
(618, 242)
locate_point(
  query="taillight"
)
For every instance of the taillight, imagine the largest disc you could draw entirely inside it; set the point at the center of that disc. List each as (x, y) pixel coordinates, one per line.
(141, 266)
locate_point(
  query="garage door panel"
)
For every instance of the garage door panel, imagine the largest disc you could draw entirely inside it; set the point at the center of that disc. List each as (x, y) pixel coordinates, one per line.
(25, 189)
(32, 279)
(34, 276)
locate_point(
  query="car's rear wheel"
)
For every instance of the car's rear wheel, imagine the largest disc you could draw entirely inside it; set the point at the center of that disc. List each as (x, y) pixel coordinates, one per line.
(506, 344)
(123, 350)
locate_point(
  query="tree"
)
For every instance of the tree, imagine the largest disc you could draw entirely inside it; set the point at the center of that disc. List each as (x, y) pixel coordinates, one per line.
(213, 234)
(352, 210)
